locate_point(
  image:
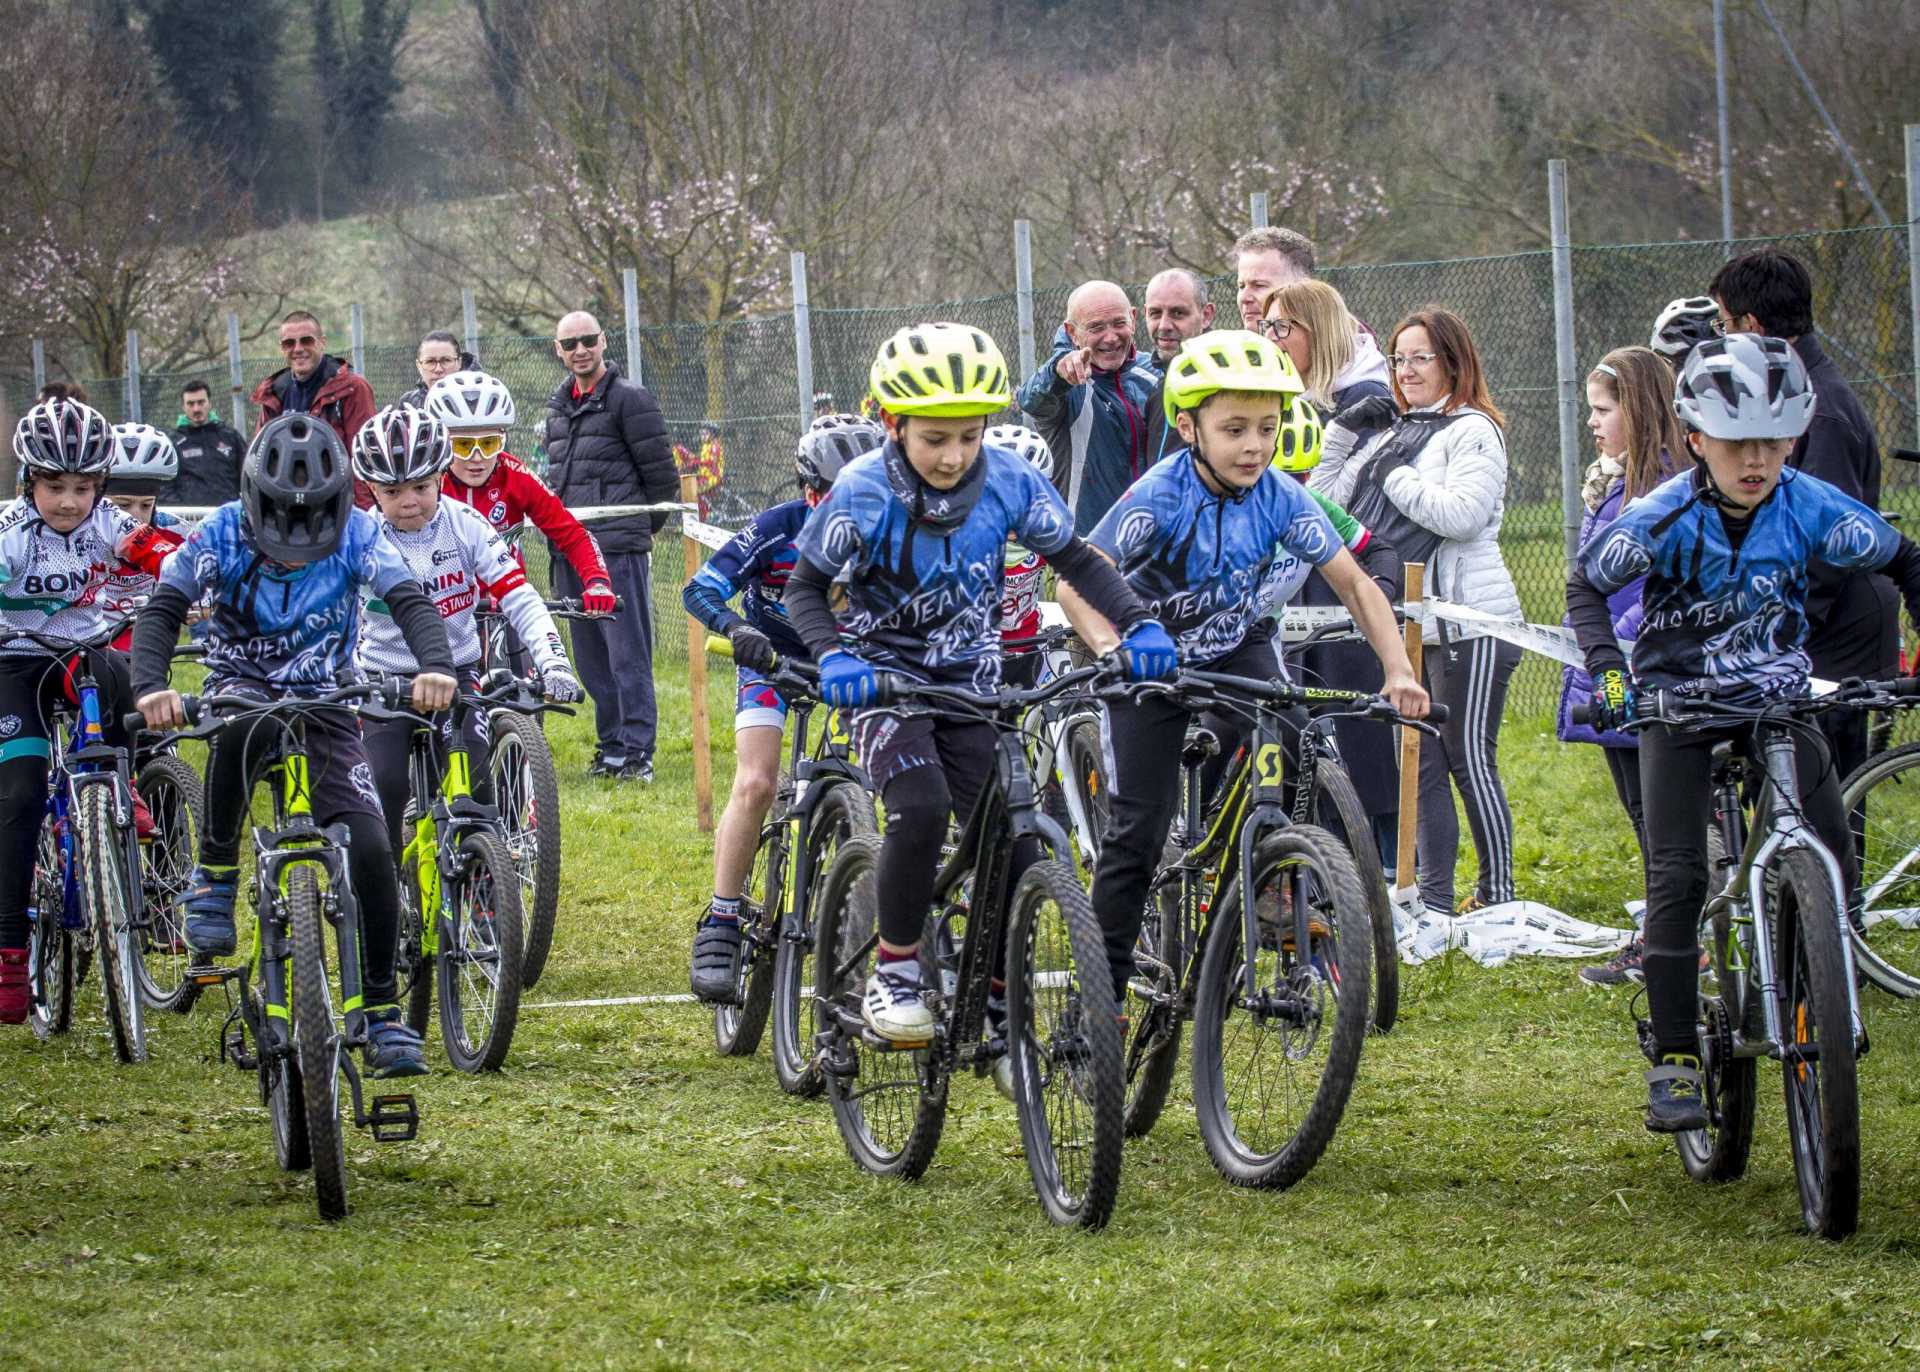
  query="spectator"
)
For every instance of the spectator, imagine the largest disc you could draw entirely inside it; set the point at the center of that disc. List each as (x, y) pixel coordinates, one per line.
(1089, 401)
(710, 462)
(1853, 617)
(440, 354)
(314, 383)
(823, 404)
(1310, 323)
(1433, 483)
(1267, 259)
(210, 452)
(1175, 308)
(607, 445)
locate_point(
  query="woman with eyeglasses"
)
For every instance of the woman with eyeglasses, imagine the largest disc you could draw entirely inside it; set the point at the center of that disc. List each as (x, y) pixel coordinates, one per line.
(1333, 352)
(1427, 471)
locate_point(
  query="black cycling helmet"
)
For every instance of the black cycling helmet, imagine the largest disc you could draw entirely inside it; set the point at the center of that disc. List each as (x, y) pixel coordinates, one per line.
(296, 489)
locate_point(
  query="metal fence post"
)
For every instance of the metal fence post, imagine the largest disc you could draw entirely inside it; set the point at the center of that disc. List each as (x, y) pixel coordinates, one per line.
(630, 302)
(236, 377)
(802, 337)
(133, 376)
(1726, 143)
(470, 320)
(39, 366)
(1023, 293)
(1565, 368)
(1257, 209)
(1913, 260)
(357, 333)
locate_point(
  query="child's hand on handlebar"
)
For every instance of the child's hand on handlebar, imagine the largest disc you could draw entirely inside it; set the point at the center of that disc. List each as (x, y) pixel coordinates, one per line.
(432, 691)
(163, 710)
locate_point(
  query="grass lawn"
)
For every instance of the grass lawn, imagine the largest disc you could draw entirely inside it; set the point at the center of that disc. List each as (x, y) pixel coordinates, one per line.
(622, 1197)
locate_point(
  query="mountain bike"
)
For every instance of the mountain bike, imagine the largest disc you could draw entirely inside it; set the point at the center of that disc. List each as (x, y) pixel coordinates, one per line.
(1883, 794)
(285, 1025)
(820, 801)
(460, 913)
(1780, 982)
(1069, 757)
(1062, 1028)
(1278, 1033)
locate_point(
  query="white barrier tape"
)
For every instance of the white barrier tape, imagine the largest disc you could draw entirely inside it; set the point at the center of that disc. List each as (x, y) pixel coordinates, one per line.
(707, 535)
(192, 514)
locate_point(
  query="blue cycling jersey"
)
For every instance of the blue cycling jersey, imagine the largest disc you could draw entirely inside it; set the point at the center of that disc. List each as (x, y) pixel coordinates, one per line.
(754, 565)
(924, 600)
(1209, 566)
(1733, 623)
(289, 628)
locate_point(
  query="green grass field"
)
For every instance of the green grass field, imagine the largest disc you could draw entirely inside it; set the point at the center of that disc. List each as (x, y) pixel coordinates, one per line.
(622, 1197)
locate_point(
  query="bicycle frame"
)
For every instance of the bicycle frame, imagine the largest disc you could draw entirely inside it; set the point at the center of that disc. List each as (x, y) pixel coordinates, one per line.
(831, 758)
(438, 827)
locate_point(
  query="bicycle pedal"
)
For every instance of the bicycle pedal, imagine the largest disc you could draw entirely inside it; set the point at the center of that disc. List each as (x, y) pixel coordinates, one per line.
(233, 1043)
(393, 1119)
(886, 1045)
(212, 974)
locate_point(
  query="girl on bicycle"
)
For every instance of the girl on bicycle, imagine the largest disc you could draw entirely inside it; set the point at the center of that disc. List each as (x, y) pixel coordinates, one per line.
(920, 530)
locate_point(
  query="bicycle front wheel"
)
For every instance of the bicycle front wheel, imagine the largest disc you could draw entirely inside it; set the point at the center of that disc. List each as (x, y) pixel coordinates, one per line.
(108, 903)
(1086, 771)
(1063, 1033)
(316, 1040)
(1884, 794)
(1818, 1067)
(1335, 806)
(527, 794)
(842, 812)
(50, 952)
(480, 951)
(171, 790)
(1272, 1070)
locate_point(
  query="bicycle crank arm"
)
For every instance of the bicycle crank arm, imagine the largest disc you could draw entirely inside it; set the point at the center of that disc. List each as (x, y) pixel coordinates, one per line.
(393, 1118)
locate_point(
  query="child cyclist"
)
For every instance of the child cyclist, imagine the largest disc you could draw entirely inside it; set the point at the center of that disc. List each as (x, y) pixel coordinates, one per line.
(1020, 589)
(1725, 550)
(284, 565)
(1207, 538)
(920, 528)
(450, 549)
(144, 467)
(58, 540)
(755, 565)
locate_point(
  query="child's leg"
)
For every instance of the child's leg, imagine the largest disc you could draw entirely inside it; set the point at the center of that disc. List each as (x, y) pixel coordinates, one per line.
(24, 757)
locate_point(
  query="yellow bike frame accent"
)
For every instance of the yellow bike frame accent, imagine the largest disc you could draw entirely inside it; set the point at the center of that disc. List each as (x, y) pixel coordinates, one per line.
(423, 850)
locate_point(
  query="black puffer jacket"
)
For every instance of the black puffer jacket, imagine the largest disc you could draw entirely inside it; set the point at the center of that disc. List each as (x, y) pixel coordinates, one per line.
(610, 448)
(210, 456)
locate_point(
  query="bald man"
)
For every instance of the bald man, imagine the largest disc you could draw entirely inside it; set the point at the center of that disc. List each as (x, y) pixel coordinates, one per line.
(607, 445)
(1090, 402)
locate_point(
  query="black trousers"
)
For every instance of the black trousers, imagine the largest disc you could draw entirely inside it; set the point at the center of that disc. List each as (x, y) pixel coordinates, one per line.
(615, 657)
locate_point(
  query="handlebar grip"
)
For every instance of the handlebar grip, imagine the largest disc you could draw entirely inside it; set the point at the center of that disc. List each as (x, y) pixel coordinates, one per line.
(1437, 713)
(1581, 713)
(133, 723)
(720, 647)
(1907, 686)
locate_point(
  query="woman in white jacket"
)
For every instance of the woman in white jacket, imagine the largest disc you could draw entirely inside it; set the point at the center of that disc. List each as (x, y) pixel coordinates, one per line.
(1427, 471)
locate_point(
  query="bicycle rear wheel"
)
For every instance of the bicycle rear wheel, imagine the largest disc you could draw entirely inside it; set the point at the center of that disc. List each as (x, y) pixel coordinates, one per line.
(108, 903)
(171, 790)
(316, 1040)
(50, 950)
(889, 1104)
(1818, 1067)
(528, 797)
(842, 812)
(1335, 806)
(1086, 771)
(1063, 1033)
(1885, 790)
(479, 962)
(1152, 1050)
(1272, 1074)
(737, 1028)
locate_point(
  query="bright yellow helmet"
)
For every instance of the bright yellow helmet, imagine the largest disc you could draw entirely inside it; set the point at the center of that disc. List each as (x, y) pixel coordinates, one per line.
(1296, 447)
(942, 371)
(1227, 360)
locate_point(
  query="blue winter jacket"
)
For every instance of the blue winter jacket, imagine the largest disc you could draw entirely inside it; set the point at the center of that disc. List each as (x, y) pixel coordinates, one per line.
(1099, 432)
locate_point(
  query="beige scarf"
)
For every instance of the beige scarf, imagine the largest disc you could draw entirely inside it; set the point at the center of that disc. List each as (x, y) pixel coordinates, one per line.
(1601, 475)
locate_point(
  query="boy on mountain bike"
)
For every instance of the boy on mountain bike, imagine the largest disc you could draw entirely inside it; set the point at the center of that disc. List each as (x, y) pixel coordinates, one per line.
(1725, 550)
(284, 565)
(755, 565)
(450, 549)
(144, 466)
(1208, 538)
(59, 541)
(920, 528)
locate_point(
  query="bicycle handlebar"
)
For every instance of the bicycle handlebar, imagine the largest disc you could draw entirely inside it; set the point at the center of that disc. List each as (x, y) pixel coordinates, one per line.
(1213, 685)
(1673, 708)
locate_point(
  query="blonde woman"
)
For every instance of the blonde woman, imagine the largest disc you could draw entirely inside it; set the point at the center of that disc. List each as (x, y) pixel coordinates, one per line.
(1333, 352)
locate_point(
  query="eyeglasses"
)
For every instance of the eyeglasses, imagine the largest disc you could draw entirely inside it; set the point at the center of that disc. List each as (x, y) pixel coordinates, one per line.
(439, 362)
(1277, 329)
(478, 445)
(585, 340)
(305, 340)
(1401, 361)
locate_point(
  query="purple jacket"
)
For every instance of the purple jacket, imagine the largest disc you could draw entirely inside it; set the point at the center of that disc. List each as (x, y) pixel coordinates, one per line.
(1575, 685)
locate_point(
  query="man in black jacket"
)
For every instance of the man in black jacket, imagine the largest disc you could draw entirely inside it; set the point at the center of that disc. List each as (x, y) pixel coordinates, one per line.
(1853, 617)
(607, 445)
(210, 452)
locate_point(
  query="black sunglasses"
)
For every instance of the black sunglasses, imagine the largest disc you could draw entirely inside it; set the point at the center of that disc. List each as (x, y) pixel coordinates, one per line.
(585, 340)
(305, 340)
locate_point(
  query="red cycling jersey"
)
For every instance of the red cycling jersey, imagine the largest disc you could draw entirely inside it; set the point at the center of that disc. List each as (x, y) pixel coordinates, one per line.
(511, 495)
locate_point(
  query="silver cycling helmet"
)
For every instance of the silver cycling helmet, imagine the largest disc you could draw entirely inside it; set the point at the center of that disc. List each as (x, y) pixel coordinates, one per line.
(471, 400)
(143, 460)
(1682, 324)
(400, 444)
(1022, 442)
(64, 436)
(1743, 386)
(829, 444)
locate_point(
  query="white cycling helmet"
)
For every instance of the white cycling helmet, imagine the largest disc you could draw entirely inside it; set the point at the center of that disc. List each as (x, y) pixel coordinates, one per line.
(64, 436)
(1682, 324)
(466, 401)
(1743, 386)
(143, 460)
(401, 444)
(1023, 442)
(829, 444)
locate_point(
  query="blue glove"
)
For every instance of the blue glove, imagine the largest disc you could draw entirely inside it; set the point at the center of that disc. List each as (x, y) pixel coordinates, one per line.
(1612, 704)
(1149, 652)
(847, 682)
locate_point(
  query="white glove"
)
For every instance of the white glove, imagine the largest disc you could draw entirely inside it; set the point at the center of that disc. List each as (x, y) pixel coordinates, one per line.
(561, 686)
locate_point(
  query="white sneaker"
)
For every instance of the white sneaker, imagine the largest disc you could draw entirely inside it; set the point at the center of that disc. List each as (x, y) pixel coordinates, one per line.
(893, 1009)
(1003, 1074)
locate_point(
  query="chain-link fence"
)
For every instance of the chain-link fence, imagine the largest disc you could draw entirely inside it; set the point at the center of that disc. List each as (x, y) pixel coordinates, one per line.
(741, 377)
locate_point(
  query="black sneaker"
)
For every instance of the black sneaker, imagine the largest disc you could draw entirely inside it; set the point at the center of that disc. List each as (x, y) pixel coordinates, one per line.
(716, 962)
(603, 766)
(640, 770)
(1676, 1102)
(1624, 967)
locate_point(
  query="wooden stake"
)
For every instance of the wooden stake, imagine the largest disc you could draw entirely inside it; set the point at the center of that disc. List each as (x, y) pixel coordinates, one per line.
(697, 675)
(1410, 740)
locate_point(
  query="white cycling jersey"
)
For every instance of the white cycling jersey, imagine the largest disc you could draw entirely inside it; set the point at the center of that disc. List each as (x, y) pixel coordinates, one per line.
(50, 583)
(457, 557)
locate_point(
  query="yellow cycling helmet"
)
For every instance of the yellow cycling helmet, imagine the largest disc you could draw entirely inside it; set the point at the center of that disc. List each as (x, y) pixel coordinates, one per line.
(1296, 448)
(1227, 360)
(942, 371)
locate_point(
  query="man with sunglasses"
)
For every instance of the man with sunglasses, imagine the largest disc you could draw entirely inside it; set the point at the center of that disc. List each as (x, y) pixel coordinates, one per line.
(607, 445)
(315, 383)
